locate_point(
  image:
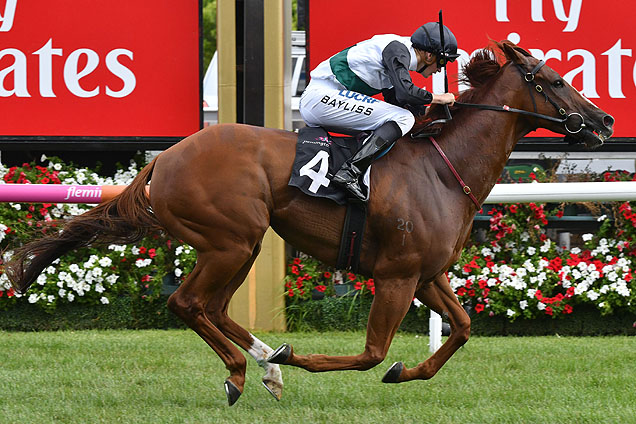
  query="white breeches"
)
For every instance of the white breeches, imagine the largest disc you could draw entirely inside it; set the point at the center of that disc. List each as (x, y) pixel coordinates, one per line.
(326, 103)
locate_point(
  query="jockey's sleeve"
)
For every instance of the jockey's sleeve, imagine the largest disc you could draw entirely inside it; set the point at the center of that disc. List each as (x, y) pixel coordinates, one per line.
(396, 59)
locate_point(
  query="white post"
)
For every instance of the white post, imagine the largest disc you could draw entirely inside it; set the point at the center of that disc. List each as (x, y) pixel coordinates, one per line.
(434, 331)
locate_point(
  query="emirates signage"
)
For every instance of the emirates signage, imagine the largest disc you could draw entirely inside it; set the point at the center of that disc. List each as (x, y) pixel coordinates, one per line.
(591, 43)
(126, 69)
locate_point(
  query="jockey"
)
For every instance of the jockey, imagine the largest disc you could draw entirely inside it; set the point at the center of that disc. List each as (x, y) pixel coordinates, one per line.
(339, 94)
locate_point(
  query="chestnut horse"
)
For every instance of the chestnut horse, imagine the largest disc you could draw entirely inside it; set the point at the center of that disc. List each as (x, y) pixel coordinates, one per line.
(221, 188)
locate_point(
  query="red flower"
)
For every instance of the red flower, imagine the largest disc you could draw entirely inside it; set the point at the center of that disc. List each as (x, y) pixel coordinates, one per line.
(327, 274)
(373, 290)
(11, 293)
(513, 208)
(294, 270)
(45, 180)
(471, 293)
(142, 250)
(351, 276)
(290, 293)
(461, 291)
(548, 310)
(479, 308)
(567, 309)
(296, 261)
(146, 278)
(483, 284)
(1, 293)
(152, 253)
(358, 285)
(559, 214)
(321, 288)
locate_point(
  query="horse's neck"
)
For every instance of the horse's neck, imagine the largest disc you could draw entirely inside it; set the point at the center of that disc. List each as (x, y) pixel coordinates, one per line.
(480, 142)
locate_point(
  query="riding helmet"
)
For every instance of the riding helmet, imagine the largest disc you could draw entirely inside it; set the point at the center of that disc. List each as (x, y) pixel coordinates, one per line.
(427, 38)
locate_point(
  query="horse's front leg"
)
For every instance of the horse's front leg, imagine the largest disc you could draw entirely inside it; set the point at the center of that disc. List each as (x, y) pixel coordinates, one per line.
(439, 296)
(390, 304)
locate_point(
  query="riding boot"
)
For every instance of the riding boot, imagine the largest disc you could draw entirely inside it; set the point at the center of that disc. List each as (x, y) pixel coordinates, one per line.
(372, 148)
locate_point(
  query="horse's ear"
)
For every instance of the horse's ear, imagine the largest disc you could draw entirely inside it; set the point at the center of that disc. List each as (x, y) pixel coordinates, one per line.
(514, 52)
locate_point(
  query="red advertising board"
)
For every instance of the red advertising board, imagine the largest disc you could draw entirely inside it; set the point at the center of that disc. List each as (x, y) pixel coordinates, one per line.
(589, 42)
(127, 69)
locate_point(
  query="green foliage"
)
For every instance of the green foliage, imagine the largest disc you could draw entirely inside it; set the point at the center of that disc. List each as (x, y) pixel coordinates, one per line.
(209, 31)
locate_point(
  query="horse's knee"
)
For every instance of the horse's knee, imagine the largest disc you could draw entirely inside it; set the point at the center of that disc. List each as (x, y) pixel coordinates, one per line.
(462, 329)
(370, 359)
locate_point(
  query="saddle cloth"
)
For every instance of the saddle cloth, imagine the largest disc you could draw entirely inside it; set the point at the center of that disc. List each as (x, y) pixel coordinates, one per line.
(318, 157)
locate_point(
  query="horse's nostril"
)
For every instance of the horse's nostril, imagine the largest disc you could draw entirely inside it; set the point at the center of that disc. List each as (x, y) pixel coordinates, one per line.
(608, 121)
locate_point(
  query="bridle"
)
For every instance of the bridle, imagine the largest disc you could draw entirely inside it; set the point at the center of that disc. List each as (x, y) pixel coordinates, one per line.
(529, 77)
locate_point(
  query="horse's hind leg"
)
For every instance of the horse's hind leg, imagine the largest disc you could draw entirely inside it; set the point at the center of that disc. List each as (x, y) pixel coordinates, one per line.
(439, 296)
(209, 279)
(390, 304)
(216, 310)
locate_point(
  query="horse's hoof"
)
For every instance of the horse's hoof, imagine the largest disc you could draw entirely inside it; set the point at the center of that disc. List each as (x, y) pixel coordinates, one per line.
(393, 374)
(274, 388)
(232, 392)
(280, 355)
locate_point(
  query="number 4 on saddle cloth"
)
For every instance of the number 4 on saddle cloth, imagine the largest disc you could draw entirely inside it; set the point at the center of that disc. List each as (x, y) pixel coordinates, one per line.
(318, 157)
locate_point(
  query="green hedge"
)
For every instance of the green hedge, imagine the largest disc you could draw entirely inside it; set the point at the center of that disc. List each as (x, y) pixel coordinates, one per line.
(121, 313)
(328, 314)
(342, 313)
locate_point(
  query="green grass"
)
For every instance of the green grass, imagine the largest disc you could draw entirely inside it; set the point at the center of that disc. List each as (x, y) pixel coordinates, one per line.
(173, 377)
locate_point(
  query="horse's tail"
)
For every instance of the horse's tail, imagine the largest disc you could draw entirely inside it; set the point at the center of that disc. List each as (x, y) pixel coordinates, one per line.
(126, 218)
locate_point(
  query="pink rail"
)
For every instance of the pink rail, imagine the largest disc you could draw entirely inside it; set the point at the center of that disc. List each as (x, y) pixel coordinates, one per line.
(56, 193)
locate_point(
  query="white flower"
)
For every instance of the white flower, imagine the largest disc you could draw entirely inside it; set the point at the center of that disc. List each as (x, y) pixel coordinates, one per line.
(178, 272)
(531, 250)
(57, 166)
(70, 297)
(510, 312)
(99, 288)
(51, 270)
(523, 304)
(541, 306)
(33, 298)
(575, 250)
(531, 293)
(602, 218)
(41, 279)
(16, 206)
(105, 262)
(588, 237)
(140, 263)
(135, 250)
(104, 300)
(50, 298)
(592, 295)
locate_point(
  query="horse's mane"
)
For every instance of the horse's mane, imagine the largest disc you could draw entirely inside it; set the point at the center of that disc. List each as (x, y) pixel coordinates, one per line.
(481, 68)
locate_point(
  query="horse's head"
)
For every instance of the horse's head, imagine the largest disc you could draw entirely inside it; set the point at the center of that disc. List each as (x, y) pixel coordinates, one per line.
(576, 117)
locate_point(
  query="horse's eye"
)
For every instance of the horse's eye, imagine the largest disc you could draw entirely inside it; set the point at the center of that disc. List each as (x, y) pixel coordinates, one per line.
(558, 83)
